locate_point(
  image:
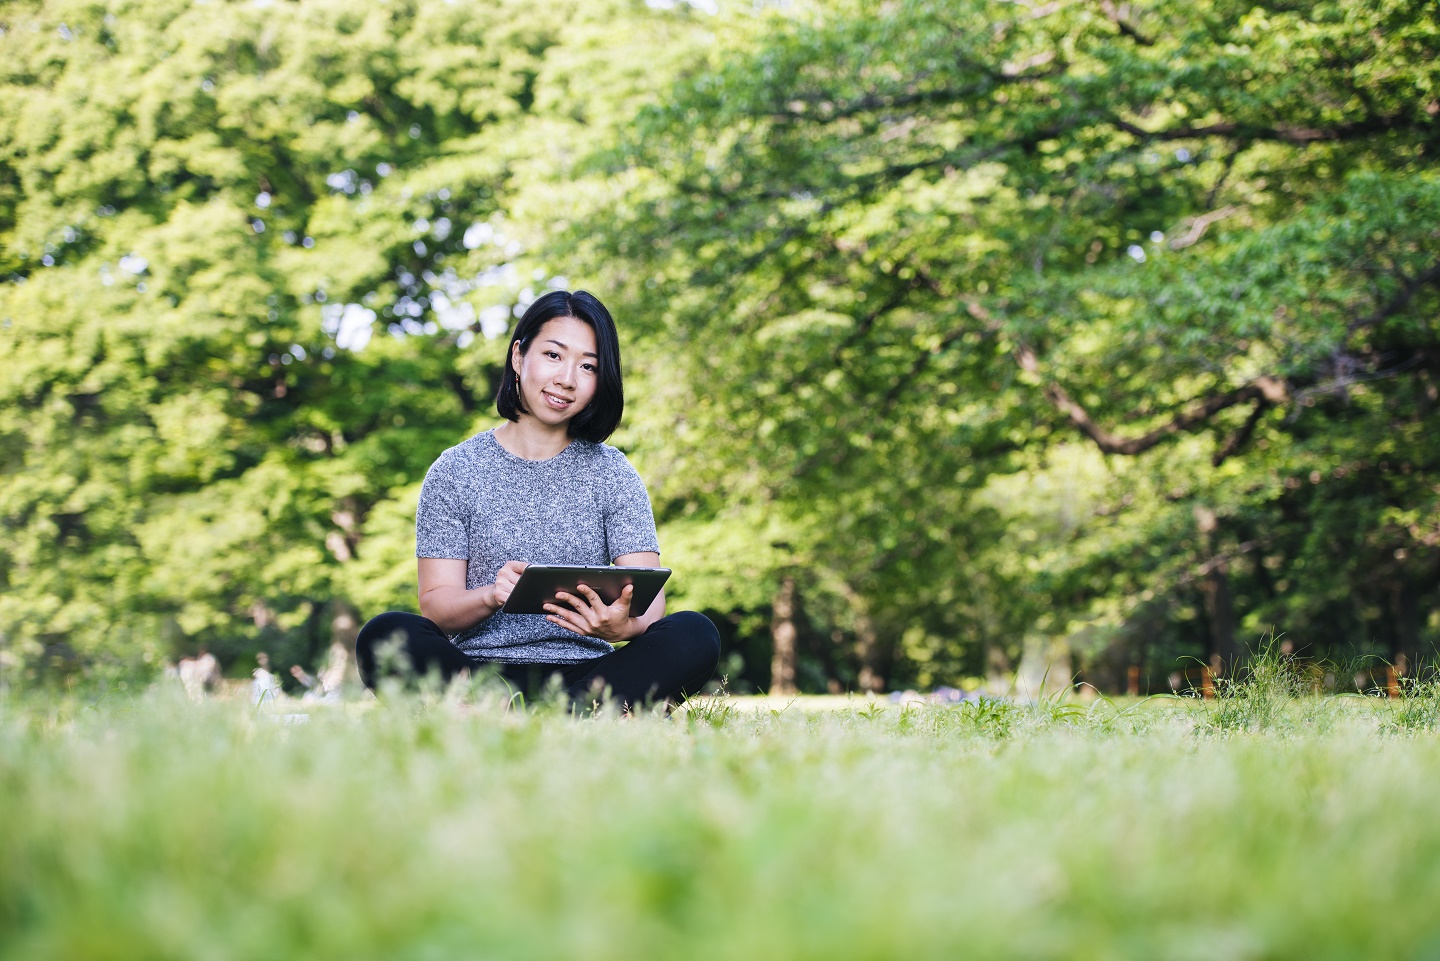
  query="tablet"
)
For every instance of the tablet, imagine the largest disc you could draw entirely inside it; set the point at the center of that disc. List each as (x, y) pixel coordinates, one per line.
(540, 582)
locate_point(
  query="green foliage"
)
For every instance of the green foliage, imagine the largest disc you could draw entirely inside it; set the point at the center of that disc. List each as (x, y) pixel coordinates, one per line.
(909, 254)
(978, 321)
(206, 211)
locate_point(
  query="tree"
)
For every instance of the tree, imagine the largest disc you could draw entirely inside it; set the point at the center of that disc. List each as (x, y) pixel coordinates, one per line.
(253, 257)
(937, 243)
(976, 321)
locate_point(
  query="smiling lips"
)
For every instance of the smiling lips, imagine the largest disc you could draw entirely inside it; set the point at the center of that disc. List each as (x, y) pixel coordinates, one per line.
(556, 401)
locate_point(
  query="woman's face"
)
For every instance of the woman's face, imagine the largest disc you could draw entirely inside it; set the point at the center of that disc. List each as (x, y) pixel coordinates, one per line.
(558, 374)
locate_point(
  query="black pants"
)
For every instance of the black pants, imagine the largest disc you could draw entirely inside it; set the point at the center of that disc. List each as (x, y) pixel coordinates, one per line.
(673, 659)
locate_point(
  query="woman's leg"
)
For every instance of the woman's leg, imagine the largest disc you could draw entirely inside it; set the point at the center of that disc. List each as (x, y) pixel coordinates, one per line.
(421, 640)
(673, 659)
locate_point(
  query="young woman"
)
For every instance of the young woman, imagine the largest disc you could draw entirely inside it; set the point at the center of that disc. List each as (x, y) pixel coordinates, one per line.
(544, 488)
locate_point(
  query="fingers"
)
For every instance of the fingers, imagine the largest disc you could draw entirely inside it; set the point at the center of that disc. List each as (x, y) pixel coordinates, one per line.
(567, 598)
(590, 615)
(509, 574)
(583, 615)
(506, 578)
(570, 622)
(573, 605)
(621, 607)
(622, 603)
(579, 619)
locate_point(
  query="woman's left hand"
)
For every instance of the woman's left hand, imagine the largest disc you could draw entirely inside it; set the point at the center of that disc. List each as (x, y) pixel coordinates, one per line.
(591, 616)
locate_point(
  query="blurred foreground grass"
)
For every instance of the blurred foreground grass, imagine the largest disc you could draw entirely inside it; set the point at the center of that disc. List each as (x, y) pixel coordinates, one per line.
(435, 828)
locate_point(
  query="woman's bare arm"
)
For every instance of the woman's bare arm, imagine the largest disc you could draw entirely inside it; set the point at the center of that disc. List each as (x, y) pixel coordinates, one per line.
(444, 599)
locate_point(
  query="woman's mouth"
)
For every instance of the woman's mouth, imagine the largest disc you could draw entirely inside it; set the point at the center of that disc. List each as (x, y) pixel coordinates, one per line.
(555, 401)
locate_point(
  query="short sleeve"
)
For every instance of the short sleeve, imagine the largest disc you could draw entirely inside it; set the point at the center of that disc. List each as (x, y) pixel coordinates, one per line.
(629, 522)
(442, 519)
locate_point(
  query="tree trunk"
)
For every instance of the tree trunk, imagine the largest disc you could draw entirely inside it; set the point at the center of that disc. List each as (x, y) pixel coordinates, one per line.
(1405, 613)
(782, 629)
(344, 544)
(1044, 669)
(997, 669)
(1220, 606)
(867, 645)
(344, 628)
(1215, 588)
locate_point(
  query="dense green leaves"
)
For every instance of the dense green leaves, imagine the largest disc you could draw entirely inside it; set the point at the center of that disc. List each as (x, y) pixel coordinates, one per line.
(953, 236)
(985, 322)
(208, 210)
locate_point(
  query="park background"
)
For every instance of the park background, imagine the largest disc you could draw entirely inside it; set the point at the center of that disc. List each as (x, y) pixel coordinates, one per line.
(955, 333)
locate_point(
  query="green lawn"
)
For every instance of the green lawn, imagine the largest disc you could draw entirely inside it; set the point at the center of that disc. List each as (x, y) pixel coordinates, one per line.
(151, 828)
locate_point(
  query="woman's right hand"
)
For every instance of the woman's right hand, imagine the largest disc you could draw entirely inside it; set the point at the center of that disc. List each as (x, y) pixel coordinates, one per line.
(505, 580)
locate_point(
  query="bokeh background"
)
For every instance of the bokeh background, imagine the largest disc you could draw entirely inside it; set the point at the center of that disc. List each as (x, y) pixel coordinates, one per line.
(1094, 338)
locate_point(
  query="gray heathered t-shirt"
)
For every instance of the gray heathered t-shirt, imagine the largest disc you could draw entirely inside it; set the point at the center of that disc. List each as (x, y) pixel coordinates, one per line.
(484, 505)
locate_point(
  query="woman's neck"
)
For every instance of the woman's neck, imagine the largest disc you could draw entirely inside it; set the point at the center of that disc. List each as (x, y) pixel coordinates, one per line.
(532, 440)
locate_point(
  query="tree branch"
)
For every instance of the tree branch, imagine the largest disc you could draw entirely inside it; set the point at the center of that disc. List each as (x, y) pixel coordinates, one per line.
(1224, 557)
(1242, 436)
(918, 367)
(1225, 171)
(1116, 16)
(1340, 385)
(862, 329)
(1266, 389)
(1197, 226)
(1402, 298)
(1287, 133)
(914, 98)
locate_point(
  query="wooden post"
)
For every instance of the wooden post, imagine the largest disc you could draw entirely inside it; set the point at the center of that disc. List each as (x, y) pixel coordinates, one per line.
(1207, 677)
(1392, 681)
(1132, 680)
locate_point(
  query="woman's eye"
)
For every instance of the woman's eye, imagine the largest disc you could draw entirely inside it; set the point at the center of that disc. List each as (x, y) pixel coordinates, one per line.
(589, 367)
(552, 355)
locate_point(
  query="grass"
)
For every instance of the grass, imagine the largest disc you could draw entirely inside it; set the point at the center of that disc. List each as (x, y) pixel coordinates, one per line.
(451, 827)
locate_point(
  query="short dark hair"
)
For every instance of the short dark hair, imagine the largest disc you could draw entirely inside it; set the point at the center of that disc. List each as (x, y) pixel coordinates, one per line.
(600, 418)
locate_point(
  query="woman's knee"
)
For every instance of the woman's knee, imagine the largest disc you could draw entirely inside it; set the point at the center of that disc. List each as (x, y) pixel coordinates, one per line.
(382, 627)
(699, 635)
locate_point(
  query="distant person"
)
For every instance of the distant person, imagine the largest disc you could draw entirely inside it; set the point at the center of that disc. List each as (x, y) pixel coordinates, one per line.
(544, 488)
(199, 675)
(326, 686)
(303, 677)
(265, 684)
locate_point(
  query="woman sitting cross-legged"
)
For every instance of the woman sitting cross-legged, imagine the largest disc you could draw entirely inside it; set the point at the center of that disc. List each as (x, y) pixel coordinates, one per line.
(544, 488)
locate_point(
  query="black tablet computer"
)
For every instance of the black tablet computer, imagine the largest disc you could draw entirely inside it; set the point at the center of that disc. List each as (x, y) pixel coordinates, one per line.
(540, 582)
